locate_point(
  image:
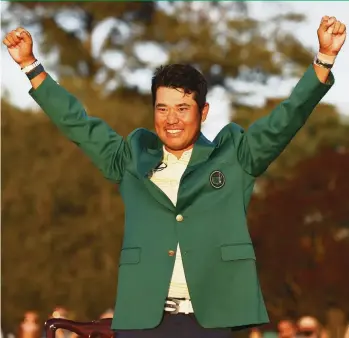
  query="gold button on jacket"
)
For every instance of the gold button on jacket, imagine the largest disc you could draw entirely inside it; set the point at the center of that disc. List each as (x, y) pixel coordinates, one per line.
(179, 218)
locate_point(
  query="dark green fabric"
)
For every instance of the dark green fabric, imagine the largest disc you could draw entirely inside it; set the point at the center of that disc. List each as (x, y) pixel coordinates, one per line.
(217, 251)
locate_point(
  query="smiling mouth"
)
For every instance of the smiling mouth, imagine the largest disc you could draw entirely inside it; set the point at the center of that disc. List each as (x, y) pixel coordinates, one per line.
(174, 131)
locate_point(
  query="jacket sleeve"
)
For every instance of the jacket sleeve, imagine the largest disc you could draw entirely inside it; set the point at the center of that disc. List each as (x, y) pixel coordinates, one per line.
(107, 150)
(266, 138)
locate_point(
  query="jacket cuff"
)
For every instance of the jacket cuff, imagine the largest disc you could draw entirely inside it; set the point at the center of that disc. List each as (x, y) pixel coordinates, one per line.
(41, 92)
(312, 74)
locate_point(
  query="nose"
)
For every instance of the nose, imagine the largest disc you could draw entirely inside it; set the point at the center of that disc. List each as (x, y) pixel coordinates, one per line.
(172, 117)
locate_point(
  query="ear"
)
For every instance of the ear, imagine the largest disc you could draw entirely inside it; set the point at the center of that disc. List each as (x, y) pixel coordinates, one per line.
(205, 112)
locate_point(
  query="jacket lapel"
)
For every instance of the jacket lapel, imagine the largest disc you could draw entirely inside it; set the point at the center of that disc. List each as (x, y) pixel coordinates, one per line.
(150, 157)
(201, 153)
(149, 154)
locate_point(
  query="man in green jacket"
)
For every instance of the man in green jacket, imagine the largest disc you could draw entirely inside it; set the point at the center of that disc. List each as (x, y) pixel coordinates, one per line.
(187, 266)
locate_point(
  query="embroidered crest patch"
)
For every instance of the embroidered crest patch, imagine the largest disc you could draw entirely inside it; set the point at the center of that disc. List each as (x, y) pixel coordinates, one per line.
(217, 179)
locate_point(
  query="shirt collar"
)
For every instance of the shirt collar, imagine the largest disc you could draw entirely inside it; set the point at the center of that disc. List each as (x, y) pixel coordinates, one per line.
(169, 157)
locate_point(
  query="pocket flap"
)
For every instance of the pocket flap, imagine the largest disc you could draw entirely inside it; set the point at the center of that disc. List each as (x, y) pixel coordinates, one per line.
(130, 256)
(237, 252)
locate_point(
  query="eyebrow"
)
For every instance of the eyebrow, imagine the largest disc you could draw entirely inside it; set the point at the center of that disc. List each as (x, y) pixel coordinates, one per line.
(161, 105)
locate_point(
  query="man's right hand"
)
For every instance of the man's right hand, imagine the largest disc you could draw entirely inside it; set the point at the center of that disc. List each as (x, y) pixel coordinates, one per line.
(20, 46)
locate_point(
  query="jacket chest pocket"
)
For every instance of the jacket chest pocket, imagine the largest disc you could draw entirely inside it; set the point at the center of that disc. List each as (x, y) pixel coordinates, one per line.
(130, 256)
(234, 252)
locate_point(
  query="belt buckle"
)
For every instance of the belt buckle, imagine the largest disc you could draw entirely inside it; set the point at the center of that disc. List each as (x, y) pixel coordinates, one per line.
(175, 306)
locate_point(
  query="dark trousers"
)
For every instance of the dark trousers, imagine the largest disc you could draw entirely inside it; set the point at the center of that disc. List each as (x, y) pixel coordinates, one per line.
(176, 326)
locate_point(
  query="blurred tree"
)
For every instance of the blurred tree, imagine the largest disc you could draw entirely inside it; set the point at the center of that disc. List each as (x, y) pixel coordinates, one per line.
(218, 37)
(301, 234)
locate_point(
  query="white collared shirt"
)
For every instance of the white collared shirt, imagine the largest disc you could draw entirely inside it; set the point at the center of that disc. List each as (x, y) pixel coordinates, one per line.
(168, 180)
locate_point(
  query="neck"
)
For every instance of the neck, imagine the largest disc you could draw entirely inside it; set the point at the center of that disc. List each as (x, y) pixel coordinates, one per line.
(179, 153)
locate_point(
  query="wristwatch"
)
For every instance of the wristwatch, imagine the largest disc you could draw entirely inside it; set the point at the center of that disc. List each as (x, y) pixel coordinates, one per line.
(35, 72)
(33, 69)
(30, 67)
(321, 63)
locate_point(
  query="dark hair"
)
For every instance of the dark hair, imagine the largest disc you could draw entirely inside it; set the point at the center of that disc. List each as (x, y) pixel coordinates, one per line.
(181, 76)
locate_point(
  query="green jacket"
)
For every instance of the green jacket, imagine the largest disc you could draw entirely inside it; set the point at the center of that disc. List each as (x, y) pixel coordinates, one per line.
(217, 252)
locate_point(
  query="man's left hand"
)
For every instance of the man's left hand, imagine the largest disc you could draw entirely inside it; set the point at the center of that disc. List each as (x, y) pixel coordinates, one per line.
(331, 34)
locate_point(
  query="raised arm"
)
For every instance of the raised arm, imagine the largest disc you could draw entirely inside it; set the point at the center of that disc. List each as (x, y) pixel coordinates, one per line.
(267, 137)
(107, 150)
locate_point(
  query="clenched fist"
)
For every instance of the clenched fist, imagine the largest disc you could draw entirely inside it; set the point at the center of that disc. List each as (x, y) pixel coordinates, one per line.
(331, 34)
(20, 46)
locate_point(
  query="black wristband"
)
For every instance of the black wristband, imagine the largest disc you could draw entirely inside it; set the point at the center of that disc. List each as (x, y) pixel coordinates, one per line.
(321, 63)
(35, 72)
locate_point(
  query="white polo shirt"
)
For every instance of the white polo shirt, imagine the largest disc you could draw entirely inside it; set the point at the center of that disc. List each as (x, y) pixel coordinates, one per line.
(168, 180)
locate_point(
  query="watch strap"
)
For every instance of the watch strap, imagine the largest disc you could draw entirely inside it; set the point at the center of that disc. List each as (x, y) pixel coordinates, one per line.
(321, 63)
(35, 72)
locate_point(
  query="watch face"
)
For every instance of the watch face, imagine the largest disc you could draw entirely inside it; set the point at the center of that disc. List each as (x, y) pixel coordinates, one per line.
(30, 67)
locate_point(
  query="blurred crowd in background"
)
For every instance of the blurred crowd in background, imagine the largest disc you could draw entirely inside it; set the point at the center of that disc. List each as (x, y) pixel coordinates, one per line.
(32, 326)
(336, 326)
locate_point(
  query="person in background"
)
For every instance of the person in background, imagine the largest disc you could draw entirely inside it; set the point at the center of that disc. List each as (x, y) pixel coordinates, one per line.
(346, 335)
(287, 329)
(336, 323)
(107, 314)
(29, 327)
(255, 333)
(309, 327)
(61, 312)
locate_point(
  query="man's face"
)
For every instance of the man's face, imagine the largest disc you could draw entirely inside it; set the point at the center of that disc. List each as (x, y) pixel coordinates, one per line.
(177, 119)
